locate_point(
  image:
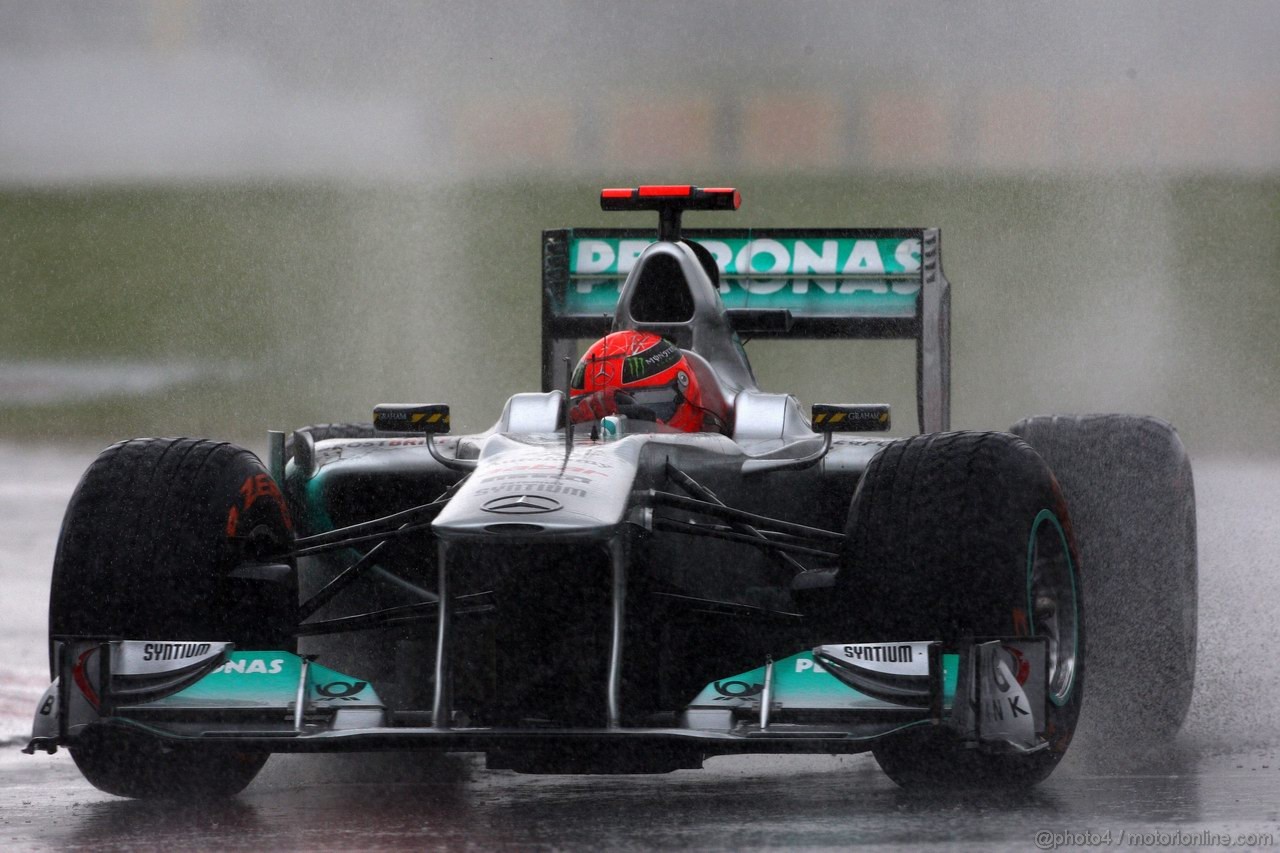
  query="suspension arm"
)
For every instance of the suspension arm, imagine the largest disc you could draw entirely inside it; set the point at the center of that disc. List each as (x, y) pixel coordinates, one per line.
(746, 531)
(721, 532)
(366, 530)
(652, 497)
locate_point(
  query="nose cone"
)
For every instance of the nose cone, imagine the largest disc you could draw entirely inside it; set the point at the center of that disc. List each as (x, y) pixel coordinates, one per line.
(536, 490)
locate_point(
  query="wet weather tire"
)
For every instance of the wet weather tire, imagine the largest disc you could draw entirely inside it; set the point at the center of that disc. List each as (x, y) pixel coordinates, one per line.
(1128, 482)
(954, 536)
(135, 766)
(150, 542)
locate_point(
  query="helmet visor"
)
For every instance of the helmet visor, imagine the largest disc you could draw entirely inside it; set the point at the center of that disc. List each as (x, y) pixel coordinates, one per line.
(662, 401)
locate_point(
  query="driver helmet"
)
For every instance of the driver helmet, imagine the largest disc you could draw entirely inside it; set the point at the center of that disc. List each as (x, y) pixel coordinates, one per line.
(651, 370)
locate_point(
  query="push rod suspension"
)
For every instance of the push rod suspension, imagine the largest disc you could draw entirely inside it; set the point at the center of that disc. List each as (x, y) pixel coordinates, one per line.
(353, 572)
(657, 498)
(475, 602)
(346, 578)
(365, 529)
(720, 532)
(746, 532)
(340, 544)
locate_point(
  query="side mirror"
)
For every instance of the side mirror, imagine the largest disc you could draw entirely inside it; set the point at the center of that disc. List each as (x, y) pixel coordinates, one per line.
(861, 417)
(416, 418)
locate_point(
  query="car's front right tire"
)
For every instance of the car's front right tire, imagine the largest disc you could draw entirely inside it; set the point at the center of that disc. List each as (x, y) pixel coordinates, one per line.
(149, 543)
(133, 765)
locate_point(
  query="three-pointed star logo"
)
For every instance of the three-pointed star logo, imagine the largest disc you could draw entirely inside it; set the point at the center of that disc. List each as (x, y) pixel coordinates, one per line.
(521, 505)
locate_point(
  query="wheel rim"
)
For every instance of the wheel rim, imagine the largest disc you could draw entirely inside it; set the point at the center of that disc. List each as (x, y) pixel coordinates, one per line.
(1052, 605)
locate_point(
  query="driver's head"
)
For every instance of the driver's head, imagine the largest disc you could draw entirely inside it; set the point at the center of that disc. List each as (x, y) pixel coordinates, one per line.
(650, 370)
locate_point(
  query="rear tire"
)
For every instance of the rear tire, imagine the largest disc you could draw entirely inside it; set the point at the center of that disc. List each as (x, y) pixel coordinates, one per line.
(954, 536)
(1129, 484)
(149, 541)
(324, 432)
(316, 432)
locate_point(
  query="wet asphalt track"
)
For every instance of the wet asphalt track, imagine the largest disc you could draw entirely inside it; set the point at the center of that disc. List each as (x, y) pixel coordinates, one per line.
(1219, 783)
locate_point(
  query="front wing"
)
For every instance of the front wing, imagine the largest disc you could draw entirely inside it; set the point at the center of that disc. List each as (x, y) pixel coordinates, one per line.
(831, 699)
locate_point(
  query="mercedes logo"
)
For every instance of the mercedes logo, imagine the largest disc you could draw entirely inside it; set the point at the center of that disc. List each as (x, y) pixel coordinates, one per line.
(521, 505)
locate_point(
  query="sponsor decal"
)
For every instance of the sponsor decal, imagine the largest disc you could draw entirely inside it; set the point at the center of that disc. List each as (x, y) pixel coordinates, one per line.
(808, 664)
(397, 419)
(521, 505)
(737, 690)
(1005, 684)
(525, 475)
(800, 682)
(340, 690)
(256, 666)
(1011, 695)
(253, 488)
(547, 466)
(376, 443)
(895, 673)
(809, 277)
(259, 486)
(879, 654)
(173, 651)
(80, 676)
(347, 450)
(654, 360)
(1021, 667)
(762, 257)
(143, 658)
(905, 659)
(522, 487)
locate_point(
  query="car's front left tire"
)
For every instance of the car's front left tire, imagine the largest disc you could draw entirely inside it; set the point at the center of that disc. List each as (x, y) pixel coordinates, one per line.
(957, 536)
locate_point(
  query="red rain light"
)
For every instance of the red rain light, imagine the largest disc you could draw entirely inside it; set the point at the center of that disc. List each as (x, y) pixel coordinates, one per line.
(675, 190)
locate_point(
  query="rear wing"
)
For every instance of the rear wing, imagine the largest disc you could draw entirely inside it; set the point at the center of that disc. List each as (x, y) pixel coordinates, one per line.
(816, 283)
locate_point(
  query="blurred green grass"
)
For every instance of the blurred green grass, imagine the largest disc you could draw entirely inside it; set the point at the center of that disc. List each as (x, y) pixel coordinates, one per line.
(1149, 294)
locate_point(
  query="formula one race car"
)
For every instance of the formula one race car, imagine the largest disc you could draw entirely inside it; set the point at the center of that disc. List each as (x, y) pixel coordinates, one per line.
(613, 595)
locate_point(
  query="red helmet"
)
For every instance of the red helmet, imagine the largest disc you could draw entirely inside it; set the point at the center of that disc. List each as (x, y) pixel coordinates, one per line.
(651, 370)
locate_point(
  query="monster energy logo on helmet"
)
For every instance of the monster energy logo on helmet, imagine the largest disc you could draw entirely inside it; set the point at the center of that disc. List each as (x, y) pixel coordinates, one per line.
(655, 359)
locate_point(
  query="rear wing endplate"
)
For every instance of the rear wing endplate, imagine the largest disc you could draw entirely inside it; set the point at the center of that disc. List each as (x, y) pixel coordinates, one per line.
(815, 283)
